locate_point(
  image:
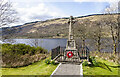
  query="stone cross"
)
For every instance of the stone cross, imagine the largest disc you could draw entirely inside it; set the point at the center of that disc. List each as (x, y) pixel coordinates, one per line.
(70, 42)
(70, 28)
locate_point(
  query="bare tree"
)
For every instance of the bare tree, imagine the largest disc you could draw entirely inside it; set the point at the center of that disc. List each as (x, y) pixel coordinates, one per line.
(35, 42)
(7, 14)
(112, 22)
(10, 41)
(118, 27)
(99, 33)
(82, 30)
(112, 8)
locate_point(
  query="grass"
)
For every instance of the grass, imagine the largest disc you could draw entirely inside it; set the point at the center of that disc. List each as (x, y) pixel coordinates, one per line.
(0, 72)
(38, 68)
(113, 68)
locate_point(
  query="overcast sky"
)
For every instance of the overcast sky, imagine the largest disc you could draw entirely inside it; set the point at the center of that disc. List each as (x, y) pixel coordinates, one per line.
(37, 10)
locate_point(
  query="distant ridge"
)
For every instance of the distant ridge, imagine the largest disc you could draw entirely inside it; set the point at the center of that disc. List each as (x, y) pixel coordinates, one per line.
(51, 28)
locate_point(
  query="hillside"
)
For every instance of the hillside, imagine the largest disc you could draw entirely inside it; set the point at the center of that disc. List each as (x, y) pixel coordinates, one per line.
(58, 28)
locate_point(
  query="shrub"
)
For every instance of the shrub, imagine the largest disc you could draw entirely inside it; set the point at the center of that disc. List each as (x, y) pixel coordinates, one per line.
(53, 62)
(20, 54)
(93, 61)
(58, 34)
(41, 50)
(112, 57)
(21, 49)
(91, 58)
(47, 61)
(85, 63)
(45, 51)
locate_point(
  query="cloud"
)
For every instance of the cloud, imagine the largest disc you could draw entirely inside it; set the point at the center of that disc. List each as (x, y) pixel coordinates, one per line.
(112, 8)
(43, 17)
(66, 0)
(96, 0)
(113, 4)
(43, 0)
(36, 10)
(40, 11)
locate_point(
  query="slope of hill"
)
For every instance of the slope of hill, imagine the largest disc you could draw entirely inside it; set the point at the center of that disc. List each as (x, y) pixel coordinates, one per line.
(56, 28)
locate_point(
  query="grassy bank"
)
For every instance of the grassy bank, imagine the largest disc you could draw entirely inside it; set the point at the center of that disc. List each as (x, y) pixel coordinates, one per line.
(107, 68)
(38, 68)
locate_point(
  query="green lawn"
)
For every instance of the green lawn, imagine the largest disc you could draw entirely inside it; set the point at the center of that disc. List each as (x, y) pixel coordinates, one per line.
(0, 72)
(38, 68)
(113, 69)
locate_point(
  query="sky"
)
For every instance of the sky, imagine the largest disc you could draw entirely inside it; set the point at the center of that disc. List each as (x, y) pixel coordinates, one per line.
(40, 10)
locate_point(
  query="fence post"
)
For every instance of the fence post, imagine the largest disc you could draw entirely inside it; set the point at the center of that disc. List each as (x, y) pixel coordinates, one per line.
(51, 54)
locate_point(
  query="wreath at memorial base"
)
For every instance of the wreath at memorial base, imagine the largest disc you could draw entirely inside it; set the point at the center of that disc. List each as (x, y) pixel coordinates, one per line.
(69, 54)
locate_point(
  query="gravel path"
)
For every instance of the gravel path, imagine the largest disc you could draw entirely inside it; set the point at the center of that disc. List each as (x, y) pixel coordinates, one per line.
(72, 70)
